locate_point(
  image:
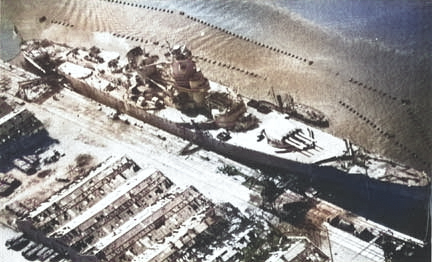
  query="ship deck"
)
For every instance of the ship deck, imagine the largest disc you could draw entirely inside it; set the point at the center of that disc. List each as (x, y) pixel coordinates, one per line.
(277, 126)
(278, 135)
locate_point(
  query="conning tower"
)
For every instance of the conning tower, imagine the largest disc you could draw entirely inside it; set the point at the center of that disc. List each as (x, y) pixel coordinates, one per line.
(189, 81)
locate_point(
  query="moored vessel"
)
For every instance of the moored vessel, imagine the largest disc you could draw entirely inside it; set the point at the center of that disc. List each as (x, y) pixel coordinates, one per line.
(168, 91)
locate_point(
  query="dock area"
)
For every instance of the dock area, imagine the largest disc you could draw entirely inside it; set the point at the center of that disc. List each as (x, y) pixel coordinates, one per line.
(119, 189)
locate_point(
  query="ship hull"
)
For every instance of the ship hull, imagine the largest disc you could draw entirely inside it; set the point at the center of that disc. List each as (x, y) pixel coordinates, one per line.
(359, 184)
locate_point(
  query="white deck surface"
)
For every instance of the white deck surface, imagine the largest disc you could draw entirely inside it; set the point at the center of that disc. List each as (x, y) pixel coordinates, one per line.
(74, 70)
(275, 124)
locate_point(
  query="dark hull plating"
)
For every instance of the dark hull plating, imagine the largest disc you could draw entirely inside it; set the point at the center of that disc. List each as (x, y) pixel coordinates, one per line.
(358, 184)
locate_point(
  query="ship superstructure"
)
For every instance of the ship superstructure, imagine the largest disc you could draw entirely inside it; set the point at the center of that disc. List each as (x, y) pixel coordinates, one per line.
(169, 91)
(117, 211)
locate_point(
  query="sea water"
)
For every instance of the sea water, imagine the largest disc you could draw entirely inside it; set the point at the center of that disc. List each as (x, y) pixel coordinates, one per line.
(382, 43)
(400, 24)
(386, 42)
(9, 40)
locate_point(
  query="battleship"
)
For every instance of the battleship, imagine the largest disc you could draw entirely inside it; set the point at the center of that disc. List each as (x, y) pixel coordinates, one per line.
(120, 210)
(169, 91)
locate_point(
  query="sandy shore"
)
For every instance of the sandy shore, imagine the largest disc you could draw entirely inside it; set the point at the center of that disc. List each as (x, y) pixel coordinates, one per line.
(324, 84)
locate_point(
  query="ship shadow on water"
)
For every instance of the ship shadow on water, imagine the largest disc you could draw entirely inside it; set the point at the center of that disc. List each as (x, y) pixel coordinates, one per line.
(410, 216)
(406, 216)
